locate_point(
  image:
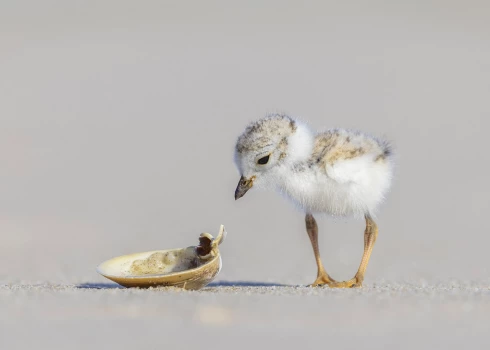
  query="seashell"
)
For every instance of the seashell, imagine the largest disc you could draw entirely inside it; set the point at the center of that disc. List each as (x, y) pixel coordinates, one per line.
(189, 268)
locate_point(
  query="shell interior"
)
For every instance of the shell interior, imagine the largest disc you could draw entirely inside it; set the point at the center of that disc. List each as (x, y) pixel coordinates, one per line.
(159, 262)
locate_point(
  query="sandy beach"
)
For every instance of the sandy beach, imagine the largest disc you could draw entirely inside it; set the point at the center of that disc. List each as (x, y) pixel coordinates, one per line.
(402, 316)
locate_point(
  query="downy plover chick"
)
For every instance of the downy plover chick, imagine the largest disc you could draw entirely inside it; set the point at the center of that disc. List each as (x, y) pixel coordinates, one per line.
(338, 172)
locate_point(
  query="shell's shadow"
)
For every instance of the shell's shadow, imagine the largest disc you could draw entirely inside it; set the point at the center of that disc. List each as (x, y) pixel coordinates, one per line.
(99, 286)
(212, 284)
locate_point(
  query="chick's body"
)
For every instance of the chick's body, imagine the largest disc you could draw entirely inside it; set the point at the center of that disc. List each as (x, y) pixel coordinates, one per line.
(346, 173)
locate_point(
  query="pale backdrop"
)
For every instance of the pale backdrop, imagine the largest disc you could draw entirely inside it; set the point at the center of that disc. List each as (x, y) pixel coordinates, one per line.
(118, 121)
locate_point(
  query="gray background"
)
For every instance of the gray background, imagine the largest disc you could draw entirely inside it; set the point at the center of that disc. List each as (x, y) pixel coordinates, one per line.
(118, 121)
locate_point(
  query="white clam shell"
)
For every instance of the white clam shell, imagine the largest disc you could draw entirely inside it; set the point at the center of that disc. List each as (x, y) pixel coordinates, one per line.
(188, 268)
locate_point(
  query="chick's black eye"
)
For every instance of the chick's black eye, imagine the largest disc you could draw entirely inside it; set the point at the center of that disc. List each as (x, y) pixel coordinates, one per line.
(263, 160)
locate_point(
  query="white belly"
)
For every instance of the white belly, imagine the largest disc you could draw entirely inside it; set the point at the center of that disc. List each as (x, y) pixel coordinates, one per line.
(315, 192)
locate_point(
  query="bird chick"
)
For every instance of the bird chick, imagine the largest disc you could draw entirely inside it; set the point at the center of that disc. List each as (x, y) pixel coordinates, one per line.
(337, 172)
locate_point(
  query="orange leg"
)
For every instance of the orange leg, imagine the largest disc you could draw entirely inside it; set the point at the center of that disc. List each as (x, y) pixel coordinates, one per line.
(312, 229)
(370, 235)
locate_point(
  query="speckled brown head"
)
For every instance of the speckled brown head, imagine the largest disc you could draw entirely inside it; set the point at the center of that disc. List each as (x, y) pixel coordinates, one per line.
(261, 148)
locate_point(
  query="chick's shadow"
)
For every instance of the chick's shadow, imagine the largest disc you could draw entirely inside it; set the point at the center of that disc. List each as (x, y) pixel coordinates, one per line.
(246, 284)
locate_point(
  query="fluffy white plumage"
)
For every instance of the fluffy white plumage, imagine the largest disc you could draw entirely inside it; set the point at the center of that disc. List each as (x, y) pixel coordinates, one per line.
(338, 172)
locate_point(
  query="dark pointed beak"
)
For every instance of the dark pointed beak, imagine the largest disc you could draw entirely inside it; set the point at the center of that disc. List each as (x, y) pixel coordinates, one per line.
(243, 186)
